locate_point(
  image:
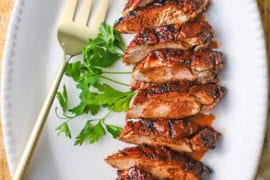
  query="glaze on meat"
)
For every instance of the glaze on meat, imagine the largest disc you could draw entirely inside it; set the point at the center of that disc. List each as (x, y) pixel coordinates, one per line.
(134, 173)
(191, 35)
(160, 161)
(179, 135)
(159, 13)
(175, 74)
(168, 65)
(175, 100)
(134, 4)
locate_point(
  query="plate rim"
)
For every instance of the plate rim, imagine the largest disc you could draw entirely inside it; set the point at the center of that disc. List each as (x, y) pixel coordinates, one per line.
(10, 46)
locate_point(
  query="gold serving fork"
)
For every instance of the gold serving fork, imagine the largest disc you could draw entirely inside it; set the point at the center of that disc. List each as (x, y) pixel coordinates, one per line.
(72, 36)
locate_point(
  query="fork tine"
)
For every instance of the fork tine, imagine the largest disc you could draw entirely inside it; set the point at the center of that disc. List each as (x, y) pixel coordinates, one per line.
(99, 16)
(69, 10)
(85, 12)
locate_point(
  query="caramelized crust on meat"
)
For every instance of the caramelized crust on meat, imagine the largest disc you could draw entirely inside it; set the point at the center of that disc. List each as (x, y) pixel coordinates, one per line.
(140, 85)
(133, 4)
(167, 65)
(160, 161)
(159, 13)
(205, 139)
(173, 129)
(190, 35)
(175, 100)
(179, 135)
(134, 173)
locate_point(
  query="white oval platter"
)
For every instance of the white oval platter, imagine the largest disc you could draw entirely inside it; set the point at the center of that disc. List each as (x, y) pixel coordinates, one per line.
(32, 55)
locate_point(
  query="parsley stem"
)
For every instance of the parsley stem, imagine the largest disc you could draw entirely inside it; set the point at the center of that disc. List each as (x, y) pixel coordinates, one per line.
(107, 72)
(117, 82)
(103, 118)
(65, 117)
(106, 115)
(60, 117)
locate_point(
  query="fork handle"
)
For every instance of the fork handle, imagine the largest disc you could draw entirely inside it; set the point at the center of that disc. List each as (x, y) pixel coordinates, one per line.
(39, 125)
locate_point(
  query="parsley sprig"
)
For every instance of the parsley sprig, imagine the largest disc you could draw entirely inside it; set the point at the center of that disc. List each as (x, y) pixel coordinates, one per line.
(93, 132)
(100, 53)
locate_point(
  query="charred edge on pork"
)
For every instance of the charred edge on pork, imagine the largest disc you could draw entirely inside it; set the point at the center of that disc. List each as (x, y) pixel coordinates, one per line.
(175, 100)
(160, 161)
(179, 135)
(159, 13)
(166, 65)
(134, 173)
(134, 4)
(191, 35)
